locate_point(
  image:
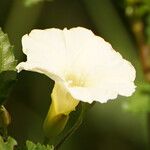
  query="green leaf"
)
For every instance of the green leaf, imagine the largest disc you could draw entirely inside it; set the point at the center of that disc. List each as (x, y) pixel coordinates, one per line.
(38, 146)
(7, 59)
(140, 101)
(8, 145)
(11, 144)
(7, 66)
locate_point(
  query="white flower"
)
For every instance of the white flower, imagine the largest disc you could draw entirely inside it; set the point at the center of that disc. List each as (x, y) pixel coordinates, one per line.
(84, 66)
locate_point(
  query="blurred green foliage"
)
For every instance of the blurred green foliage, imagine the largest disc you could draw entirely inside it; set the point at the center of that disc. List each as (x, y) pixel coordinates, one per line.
(137, 8)
(33, 2)
(140, 101)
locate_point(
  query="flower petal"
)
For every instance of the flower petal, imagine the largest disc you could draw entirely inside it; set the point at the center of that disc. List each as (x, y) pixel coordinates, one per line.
(62, 101)
(88, 67)
(101, 94)
(107, 74)
(45, 49)
(42, 69)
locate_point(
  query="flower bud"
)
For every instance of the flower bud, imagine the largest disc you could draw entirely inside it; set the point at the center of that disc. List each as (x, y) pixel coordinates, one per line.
(5, 118)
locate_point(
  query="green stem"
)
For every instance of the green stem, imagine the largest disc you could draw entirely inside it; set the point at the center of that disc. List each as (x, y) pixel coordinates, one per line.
(77, 124)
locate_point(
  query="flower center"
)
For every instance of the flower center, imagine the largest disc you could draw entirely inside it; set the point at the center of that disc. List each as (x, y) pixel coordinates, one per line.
(76, 80)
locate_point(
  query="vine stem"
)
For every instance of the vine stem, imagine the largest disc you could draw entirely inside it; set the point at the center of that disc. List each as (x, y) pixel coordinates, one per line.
(77, 124)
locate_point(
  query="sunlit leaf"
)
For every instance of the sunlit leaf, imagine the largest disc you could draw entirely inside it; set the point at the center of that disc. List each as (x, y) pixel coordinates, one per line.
(7, 59)
(7, 66)
(7, 145)
(38, 146)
